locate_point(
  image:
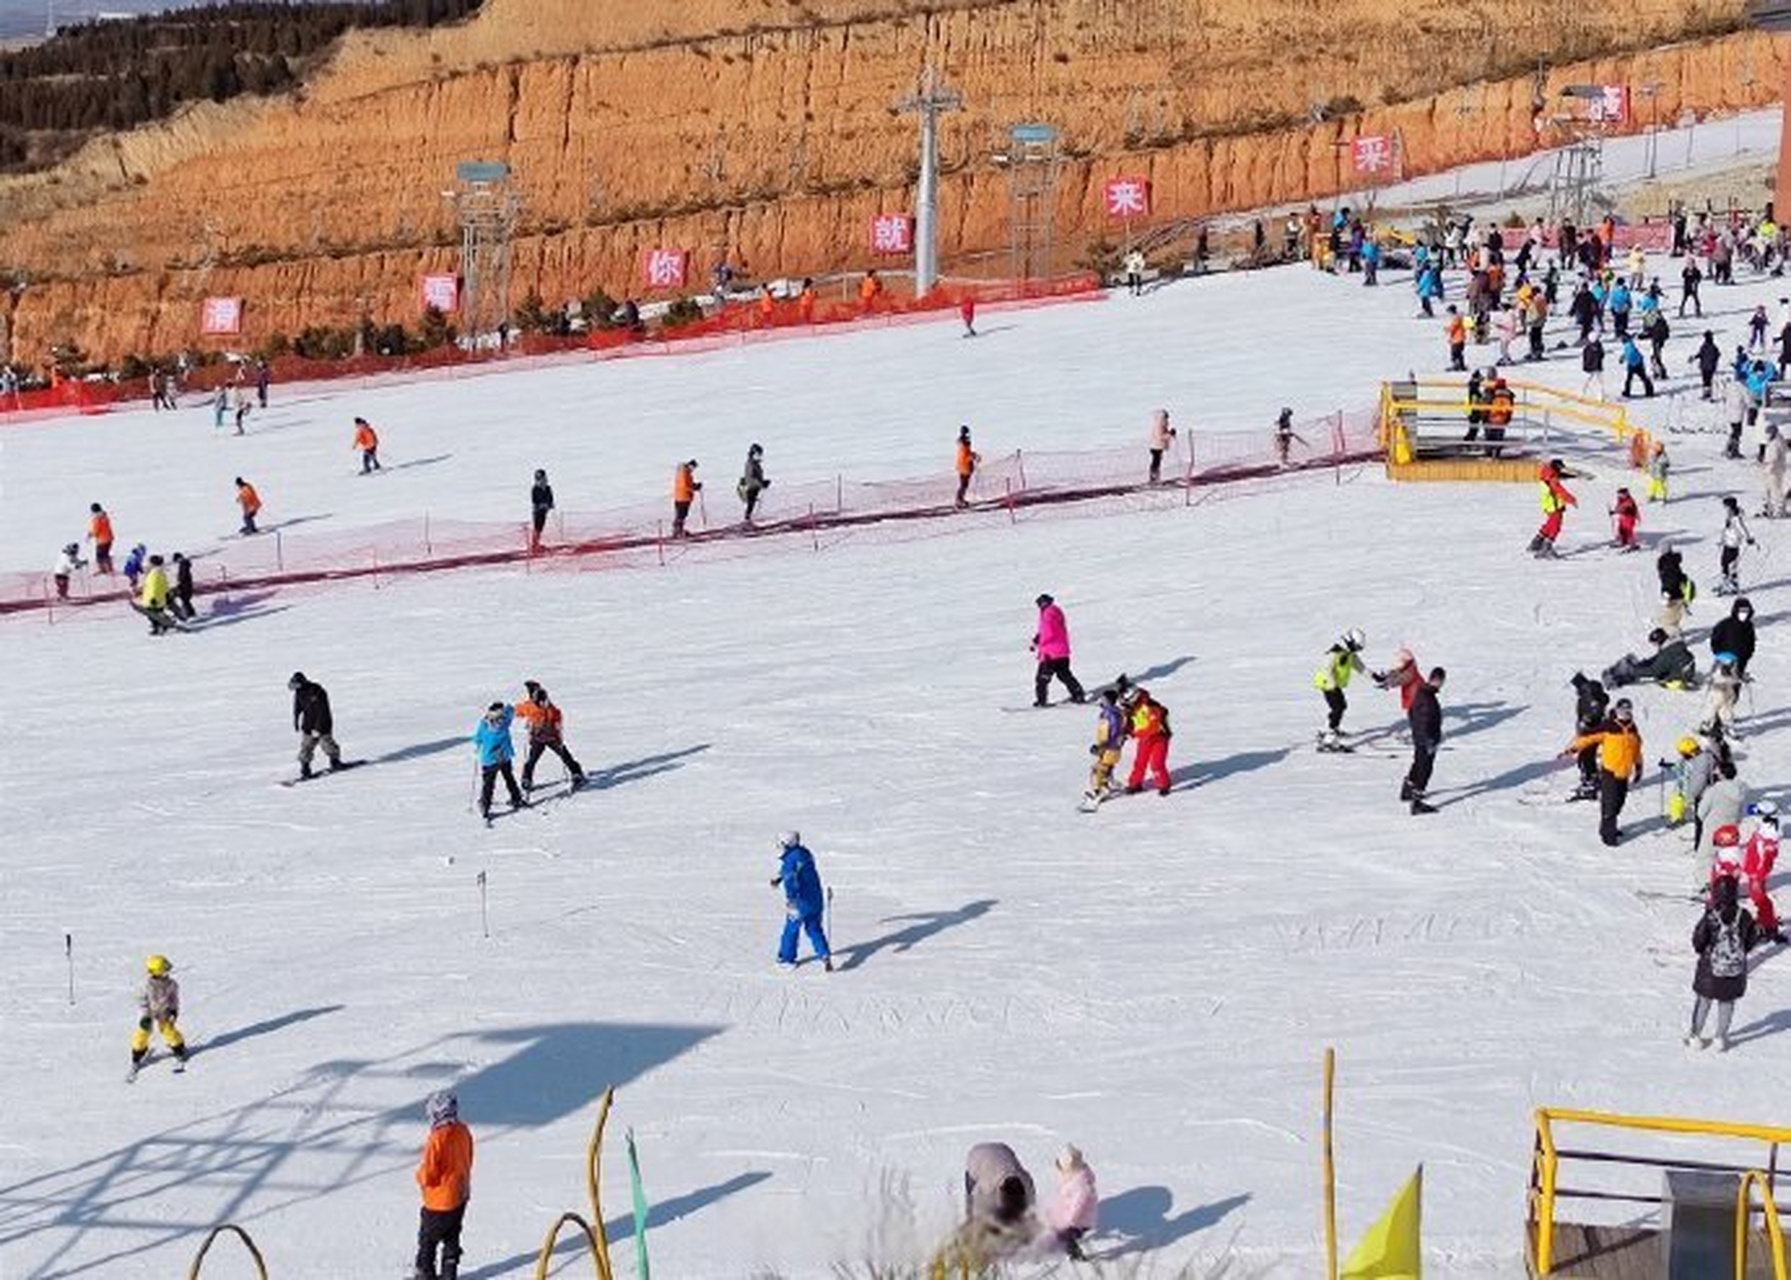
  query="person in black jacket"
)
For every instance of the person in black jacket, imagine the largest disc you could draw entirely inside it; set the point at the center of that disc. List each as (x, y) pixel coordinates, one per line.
(1592, 365)
(1426, 720)
(540, 503)
(180, 600)
(1735, 634)
(1591, 708)
(1709, 358)
(1671, 663)
(311, 717)
(1676, 590)
(1722, 940)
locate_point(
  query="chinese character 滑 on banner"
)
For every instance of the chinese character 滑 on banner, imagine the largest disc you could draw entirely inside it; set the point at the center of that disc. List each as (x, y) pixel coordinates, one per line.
(221, 316)
(892, 233)
(1372, 155)
(664, 268)
(1126, 197)
(441, 292)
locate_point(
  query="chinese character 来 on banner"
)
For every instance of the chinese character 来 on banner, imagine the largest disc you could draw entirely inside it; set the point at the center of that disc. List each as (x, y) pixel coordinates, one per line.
(1126, 197)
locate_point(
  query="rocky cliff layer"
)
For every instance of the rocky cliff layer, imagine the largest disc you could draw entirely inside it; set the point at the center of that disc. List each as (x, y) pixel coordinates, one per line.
(762, 129)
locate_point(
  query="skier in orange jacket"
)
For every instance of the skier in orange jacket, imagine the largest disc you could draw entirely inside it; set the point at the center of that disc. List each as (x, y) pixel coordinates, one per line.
(366, 439)
(250, 502)
(967, 460)
(685, 487)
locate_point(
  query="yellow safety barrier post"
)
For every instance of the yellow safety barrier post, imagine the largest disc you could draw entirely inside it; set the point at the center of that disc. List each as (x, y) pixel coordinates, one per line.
(240, 1234)
(1330, 1170)
(593, 1229)
(1775, 1236)
(545, 1257)
(1542, 1183)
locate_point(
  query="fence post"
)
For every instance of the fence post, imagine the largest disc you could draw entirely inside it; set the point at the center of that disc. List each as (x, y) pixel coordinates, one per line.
(814, 536)
(1020, 461)
(659, 542)
(1009, 484)
(839, 494)
(279, 552)
(428, 547)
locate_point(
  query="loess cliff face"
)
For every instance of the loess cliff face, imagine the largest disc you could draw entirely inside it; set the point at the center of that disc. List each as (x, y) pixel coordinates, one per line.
(762, 130)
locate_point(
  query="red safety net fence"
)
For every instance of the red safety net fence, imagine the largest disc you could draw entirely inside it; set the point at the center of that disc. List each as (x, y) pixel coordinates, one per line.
(734, 323)
(789, 513)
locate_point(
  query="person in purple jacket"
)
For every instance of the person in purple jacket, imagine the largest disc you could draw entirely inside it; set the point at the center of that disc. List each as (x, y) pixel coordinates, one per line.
(1052, 645)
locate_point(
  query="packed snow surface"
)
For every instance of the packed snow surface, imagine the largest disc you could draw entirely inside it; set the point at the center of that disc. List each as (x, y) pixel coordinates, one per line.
(1155, 982)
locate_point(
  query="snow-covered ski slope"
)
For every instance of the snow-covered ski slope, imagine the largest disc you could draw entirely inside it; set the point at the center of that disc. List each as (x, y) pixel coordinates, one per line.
(1155, 982)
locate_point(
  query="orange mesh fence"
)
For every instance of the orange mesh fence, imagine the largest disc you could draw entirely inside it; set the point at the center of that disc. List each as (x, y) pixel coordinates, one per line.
(291, 553)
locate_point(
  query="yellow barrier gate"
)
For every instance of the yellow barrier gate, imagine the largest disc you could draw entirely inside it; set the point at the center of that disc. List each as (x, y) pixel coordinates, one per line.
(1775, 1235)
(593, 1229)
(212, 1235)
(1407, 406)
(1546, 1190)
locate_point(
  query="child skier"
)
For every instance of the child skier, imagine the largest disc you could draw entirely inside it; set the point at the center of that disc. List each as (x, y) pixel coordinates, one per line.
(1076, 1210)
(1692, 768)
(491, 741)
(1455, 332)
(366, 439)
(804, 902)
(685, 487)
(1735, 532)
(1110, 741)
(250, 502)
(546, 733)
(1722, 940)
(66, 565)
(1619, 766)
(445, 1177)
(1342, 660)
(158, 1006)
(1658, 467)
(135, 564)
(1149, 720)
(752, 480)
(1555, 500)
(1051, 643)
(1758, 856)
(1626, 515)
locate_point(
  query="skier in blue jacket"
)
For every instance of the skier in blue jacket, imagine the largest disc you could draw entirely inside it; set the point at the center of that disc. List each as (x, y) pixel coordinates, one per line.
(803, 900)
(491, 740)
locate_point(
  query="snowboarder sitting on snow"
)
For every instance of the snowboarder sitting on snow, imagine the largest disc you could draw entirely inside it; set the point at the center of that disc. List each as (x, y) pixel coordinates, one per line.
(804, 901)
(1735, 635)
(158, 1006)
(1109, 743)
(445, 1177)
(1051, 642)
(1342, 660)
(1619, 765)
(1722, 940)
(1671, 664)
(1627, 515)
(546, 733)
(313, 722)
(66, 565)
(1076, 1210)
(491, 740)
(1590, 710)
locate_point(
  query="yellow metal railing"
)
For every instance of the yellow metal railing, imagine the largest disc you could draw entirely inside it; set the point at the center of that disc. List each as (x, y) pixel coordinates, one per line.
(1545, 1161)
(1445, 396)
(240, 1234)
(1775, 1236)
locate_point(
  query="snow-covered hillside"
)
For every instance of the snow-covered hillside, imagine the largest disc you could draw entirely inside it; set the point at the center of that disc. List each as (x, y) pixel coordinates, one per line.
(1155, 982)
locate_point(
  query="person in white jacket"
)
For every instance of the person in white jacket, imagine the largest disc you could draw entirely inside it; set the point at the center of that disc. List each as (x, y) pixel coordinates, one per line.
(1076, 1210)
(1162, 435)
(66, 565)
(1773, 473)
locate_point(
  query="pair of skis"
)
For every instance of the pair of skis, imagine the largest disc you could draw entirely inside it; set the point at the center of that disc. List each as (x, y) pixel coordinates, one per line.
(180, 1066)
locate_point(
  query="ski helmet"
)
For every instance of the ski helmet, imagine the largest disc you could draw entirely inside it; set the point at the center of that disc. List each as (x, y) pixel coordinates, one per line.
(158, 966)
(1726, 836)
(441, 1107)
(1688, 746)
(1767, 811)
(1354, 639)
(1723, 659)
(789, 839)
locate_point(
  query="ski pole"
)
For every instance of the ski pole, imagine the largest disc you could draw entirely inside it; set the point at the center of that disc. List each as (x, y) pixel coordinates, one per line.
(829, 921)
(68, 951)
(484, 915)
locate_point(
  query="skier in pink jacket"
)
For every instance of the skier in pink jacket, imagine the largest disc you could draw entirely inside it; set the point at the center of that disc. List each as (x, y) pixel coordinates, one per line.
(1077, 1208)
(1052, 645)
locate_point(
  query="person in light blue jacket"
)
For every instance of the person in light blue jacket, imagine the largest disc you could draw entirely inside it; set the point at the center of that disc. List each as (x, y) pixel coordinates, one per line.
(491, 740)
(804, 901)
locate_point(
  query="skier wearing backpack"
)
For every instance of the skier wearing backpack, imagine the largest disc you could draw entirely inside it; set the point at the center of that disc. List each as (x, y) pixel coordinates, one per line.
(1619, 766)
(1342, 660)
(1722, 940)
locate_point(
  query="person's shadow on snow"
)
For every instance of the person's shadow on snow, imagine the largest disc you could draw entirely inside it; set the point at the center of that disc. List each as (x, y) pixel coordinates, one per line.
(1142, 1216)
(927, 924)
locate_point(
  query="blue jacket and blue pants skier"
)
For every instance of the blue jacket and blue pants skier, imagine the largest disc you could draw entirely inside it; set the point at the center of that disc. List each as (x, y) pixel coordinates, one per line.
(491, 740)
(803, 901)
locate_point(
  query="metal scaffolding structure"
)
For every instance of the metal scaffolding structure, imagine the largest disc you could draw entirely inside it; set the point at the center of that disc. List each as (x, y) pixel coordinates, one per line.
(1033, 162)
(488, 210)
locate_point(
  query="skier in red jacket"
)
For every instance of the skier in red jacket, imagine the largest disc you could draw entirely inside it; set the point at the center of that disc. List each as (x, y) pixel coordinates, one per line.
(1627, 515)
(1555, 501)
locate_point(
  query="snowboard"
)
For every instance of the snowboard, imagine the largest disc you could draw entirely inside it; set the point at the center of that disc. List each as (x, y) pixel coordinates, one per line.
(323, 773)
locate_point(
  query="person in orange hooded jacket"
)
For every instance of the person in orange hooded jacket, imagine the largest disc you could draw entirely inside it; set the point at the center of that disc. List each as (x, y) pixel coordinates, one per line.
(250, 502)
(366, 439)
(445, 1176)
(546, 733)
(99, 532)
(966, 465)
(685, 487)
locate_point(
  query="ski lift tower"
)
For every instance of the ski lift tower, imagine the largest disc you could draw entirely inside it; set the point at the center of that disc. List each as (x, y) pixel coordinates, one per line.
(1032, 162)
(1775, 16)
(929, 104)
(1582, 121)
(488, 210)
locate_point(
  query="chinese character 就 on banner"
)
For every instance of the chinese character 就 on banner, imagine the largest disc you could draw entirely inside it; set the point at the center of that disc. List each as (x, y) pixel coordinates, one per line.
(892, 233)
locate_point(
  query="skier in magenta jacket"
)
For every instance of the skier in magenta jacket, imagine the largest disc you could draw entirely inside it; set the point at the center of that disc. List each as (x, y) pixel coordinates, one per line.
(1052, 645)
